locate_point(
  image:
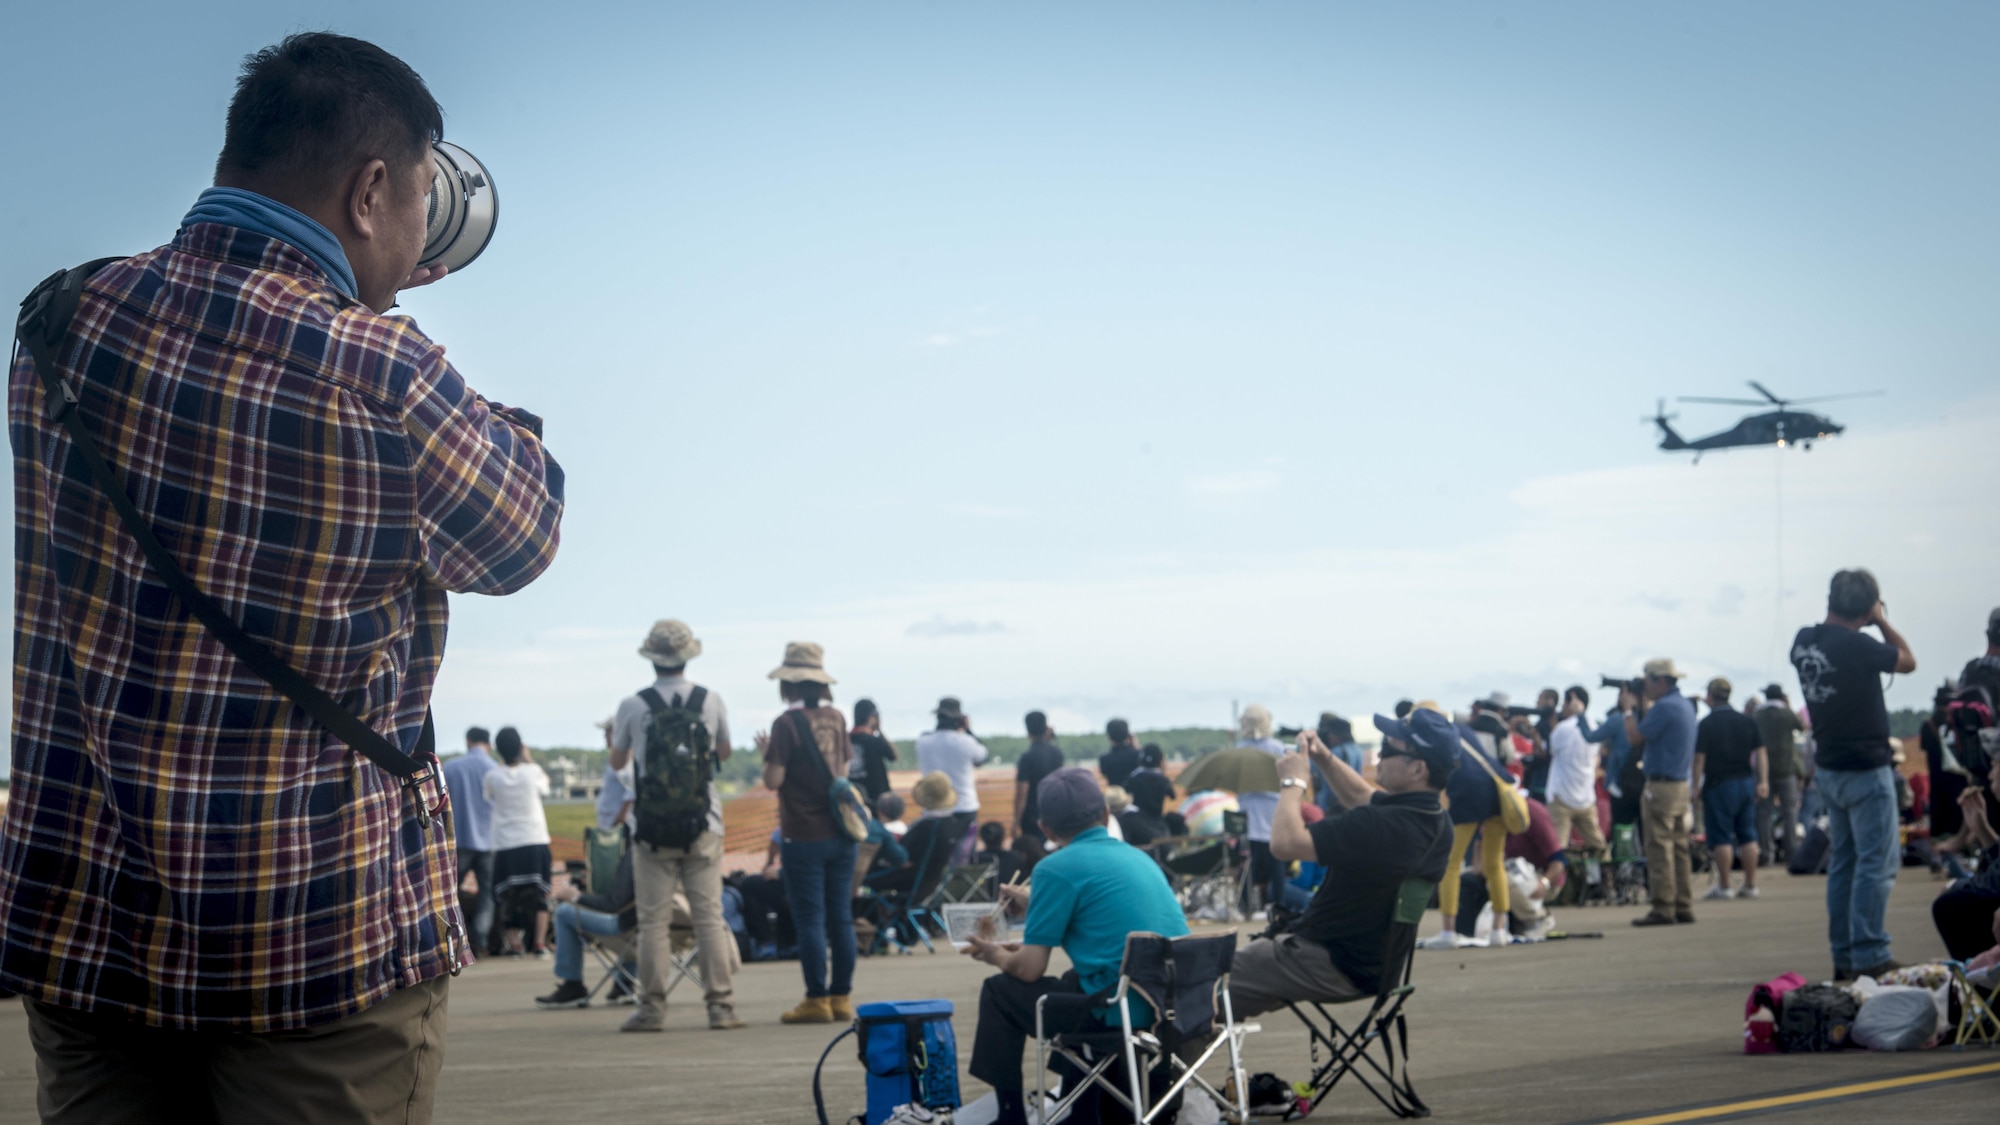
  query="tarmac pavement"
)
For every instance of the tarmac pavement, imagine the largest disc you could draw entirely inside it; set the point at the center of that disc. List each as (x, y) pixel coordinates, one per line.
(1639, 1023)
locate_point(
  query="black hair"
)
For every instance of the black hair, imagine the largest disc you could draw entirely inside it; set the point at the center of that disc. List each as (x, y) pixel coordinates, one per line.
(1038, 724)
(477, 734)
(812, 693)
(889, 807)
(1335, 730)
(1578, 691)
(1852, 593)
(1151, 756)
(993, 834)
(664, 670)
(864, 710)
(1117, 730)
(508, 744)
(1438, 778)
(313, 106)
(1403, 708)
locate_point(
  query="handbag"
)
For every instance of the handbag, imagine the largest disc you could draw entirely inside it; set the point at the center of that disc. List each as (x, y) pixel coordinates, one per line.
(1513, 806)
(850, 812)
(43, 322)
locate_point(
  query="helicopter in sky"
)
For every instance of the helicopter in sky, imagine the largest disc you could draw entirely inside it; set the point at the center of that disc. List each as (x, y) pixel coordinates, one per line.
(1780, 427)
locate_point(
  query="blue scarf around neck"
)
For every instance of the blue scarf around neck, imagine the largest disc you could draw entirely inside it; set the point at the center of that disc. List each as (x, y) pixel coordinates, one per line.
(261, 214)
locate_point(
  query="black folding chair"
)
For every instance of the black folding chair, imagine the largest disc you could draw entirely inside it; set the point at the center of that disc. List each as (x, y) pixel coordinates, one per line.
(1376, 1049)
(1184, 982)
(913, 912)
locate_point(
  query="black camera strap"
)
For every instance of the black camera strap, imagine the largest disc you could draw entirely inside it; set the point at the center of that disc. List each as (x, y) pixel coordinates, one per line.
(44, 321)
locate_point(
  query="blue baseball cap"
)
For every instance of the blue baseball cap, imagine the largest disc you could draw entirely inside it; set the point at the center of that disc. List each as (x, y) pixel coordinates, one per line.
(1430, 736)
(1069, 800)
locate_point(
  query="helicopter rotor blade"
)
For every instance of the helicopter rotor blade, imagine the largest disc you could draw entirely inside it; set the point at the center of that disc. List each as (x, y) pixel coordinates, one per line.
(1834, 398)
(1724, 401)
(1766, 392)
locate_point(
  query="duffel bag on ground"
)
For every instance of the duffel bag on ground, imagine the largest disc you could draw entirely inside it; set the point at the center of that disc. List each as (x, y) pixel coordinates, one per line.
(1809, 858)
(1818, 1017)
(1897, 1019)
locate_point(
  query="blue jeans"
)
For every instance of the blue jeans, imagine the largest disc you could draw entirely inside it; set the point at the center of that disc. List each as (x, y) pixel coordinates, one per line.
(1861, 865)
(571, 922)
(819, 881)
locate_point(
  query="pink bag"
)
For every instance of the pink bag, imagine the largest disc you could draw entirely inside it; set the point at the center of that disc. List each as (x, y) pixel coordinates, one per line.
(1760, 1013)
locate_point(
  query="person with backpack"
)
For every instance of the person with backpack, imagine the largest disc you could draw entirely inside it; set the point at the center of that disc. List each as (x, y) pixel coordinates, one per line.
(806, 751)
(675, 733)
(1779, 727)
(1840, 674)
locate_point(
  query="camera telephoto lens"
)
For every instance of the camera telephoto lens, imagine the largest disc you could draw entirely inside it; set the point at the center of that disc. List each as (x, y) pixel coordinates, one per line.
(464, 209)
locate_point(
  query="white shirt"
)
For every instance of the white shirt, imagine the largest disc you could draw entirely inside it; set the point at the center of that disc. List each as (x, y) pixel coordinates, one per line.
(1572, 765)
(1260, 808)
(953, 753)
(516, 792)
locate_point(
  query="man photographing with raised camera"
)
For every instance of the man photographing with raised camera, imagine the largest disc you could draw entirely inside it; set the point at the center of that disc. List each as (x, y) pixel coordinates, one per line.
(222, 899)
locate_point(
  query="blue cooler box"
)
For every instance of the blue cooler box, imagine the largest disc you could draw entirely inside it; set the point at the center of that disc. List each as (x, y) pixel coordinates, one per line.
(910, 1053)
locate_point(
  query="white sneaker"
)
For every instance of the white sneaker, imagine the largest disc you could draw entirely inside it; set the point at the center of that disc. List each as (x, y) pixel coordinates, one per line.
(1747, 892)
(1719, 891)
(1443, 939)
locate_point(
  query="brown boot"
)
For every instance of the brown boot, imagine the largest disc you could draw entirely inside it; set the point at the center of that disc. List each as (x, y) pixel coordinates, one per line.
(842, 1006)
(813, 1009)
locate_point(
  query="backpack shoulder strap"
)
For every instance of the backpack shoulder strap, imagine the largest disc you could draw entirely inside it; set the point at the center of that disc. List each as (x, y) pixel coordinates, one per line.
(44, 321)
(653, 701)
(697, 699)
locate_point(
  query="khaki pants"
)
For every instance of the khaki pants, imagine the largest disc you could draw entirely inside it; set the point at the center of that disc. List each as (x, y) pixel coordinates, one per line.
(1271, 971)
(1669, 876)
(657, 875)
(1562, 817)
(378, 1066)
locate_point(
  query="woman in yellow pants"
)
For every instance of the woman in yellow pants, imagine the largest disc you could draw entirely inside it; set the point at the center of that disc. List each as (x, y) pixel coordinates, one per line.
(1475, 810)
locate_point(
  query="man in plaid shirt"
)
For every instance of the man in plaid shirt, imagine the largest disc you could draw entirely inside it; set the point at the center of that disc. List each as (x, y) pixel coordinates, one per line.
(214, 908)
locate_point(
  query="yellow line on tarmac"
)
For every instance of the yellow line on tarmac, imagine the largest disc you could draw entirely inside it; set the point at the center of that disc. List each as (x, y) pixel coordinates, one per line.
(1811, 1096)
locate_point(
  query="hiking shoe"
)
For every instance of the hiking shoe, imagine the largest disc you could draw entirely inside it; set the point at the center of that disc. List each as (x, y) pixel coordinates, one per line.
(842, 1006)
(1684, 917)
(621, 993)
(1719, 892)
(1842, 975)
(645, 1018)
(1443, 939)
(568, 994)
(1654, 918)
(1879, 971)
(1747, 892)
(722, 1017)
(813, 1009)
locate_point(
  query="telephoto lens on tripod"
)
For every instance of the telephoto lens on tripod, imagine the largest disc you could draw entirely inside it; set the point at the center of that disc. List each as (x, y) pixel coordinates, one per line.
(464, 209)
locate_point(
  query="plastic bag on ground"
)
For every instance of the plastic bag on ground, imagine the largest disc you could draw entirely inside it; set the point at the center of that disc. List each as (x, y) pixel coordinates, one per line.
(1897, 1019)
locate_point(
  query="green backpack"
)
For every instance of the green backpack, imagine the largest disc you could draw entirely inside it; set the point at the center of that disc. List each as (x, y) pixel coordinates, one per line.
(671, 805)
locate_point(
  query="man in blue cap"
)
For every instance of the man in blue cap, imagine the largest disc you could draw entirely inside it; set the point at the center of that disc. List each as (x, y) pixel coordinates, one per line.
(1391, 831)
(1087, 897)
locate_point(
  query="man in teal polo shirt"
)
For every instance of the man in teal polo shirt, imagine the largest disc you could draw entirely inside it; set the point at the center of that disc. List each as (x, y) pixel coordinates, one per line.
(1087, 898)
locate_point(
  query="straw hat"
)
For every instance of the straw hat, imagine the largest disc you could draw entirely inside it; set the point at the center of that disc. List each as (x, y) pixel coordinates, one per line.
(805, 662)
(670, 644)
(934, 793)
(1255, 722)
(1117, 799)
(1663, 668)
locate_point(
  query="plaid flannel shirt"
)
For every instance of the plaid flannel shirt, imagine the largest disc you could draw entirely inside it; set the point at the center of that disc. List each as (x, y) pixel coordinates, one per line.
(183, 845)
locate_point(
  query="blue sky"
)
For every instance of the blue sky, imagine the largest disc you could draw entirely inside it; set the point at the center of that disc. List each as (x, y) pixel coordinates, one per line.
(1134, 359)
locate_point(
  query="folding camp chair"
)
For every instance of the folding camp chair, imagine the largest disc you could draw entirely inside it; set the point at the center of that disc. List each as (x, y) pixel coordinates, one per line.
(1201, 874)
(1383, 1031)
(912, 913)
(966, 882)
(1978, 1018)
(1184, 985)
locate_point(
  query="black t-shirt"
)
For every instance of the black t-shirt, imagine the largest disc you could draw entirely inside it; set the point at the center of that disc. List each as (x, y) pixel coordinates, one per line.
(874, 753)
(1038, 761)
(1150, 791)
(1840, 671)
(1368, 852)
(1727, 738)
(1117, 763)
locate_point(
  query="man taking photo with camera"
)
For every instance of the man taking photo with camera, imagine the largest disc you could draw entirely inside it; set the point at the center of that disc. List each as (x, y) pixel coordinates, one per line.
(216, 907)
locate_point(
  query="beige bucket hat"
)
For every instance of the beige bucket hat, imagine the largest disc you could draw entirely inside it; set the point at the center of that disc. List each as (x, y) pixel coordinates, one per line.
(1663, 668)
(671, 643)
(804, 662)
(933, 791)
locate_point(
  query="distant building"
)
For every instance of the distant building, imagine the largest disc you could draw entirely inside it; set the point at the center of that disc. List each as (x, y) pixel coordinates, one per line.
(569, 781)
